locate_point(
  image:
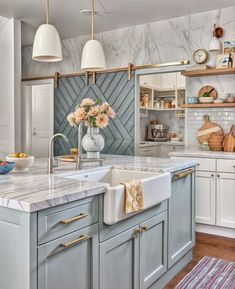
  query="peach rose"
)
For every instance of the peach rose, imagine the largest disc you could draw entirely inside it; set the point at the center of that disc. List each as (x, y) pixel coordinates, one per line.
(94, 111)
(71, 119)
(111, 113)
(87, 102)
(80, 114)
(104, 106)
(101, 120)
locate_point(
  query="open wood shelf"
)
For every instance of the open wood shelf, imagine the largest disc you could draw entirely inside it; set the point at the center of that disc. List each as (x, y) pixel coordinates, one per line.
(208, 72)
(208, 105)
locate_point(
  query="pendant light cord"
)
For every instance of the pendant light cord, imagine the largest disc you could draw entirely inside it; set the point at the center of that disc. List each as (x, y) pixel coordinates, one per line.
(47, 11)
(92, 19)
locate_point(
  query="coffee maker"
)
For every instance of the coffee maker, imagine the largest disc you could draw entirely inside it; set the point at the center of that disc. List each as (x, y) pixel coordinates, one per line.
(157, 132)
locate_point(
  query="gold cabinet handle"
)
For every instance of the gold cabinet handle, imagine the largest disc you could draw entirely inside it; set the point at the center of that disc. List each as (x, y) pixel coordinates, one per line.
(144, 228)
(136, 232)
(183, 174)
(77, 218)
(74, 242)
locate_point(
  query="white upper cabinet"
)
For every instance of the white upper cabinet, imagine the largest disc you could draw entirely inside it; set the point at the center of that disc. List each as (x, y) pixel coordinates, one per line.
(169, 81)
(180, 80)
(163, 81)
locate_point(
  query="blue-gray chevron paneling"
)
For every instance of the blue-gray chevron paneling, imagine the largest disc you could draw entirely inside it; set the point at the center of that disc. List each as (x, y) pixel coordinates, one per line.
(111, 87)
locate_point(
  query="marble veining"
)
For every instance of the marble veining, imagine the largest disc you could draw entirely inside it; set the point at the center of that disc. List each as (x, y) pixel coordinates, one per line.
(36, 190)
(157, 42)
(197, 153)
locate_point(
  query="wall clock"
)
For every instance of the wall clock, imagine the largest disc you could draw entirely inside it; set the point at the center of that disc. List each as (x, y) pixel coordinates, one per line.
(200, 56)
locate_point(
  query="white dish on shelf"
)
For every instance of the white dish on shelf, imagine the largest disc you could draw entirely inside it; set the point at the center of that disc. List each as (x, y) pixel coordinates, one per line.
(223, 96)
(218, 101)
(206, 99)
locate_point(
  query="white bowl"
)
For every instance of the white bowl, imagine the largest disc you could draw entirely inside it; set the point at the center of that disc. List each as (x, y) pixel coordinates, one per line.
(21, 164)
(206, 99)
(218, 101)
(223, 96)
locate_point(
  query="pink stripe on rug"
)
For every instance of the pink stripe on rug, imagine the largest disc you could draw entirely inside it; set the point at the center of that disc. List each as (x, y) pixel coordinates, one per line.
(210, 273)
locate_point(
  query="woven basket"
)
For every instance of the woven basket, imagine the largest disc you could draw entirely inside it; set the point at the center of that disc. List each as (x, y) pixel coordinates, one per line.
(215, 141)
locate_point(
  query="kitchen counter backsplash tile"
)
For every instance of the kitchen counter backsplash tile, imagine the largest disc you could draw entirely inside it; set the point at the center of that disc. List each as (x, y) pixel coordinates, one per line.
(36, 190)
(224, 117)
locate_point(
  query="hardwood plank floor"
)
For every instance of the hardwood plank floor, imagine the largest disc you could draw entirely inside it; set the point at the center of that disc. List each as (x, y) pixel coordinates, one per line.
(206, 245)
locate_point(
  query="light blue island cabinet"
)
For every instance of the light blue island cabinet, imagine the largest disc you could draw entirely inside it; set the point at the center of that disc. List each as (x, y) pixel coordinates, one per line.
(69, 247)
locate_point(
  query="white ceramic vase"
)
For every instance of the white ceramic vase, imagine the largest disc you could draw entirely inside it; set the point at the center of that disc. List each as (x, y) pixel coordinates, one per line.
(93, 142)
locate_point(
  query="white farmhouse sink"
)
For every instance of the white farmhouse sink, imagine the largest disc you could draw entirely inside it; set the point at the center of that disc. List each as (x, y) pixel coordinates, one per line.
(156, 189)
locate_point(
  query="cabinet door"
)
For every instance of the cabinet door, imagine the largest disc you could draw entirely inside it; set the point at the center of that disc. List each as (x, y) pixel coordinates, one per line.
(148, 151)
(169, 81)
(153, 250)
(225, 200)
(181, 80)
(119, 261)
(70, 262)
(181, 216)
(205, 198)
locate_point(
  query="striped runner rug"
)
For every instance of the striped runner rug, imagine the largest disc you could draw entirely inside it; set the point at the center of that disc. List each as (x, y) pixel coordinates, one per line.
(210, 273)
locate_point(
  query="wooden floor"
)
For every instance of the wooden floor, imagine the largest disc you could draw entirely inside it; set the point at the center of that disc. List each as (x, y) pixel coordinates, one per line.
(206, 245)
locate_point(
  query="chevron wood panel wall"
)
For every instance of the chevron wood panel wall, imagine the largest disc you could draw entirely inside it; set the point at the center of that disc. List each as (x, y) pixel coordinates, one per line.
(111, 87)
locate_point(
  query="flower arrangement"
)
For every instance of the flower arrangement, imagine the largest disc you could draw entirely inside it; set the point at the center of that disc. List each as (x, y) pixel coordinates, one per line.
(94, 113)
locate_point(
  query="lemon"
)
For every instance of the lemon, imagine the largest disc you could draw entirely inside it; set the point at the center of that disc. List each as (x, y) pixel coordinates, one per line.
(23, 155)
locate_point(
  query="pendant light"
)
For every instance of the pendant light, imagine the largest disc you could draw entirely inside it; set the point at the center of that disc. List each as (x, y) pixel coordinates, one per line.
(93, 58)
(215, 44)
(47, 45)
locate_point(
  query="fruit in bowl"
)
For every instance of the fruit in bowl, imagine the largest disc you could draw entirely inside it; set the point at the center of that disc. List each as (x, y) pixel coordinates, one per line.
(22, 161)
(6, 167)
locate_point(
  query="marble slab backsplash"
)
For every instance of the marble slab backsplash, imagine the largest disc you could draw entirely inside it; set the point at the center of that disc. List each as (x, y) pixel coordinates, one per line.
(224, 117)
(158, 42)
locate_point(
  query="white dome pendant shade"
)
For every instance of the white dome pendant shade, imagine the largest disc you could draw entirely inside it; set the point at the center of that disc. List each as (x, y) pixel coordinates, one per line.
(93, 58)
(47, 45)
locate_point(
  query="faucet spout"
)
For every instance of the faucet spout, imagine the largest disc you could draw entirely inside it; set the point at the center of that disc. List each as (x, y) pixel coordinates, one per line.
(51, 152)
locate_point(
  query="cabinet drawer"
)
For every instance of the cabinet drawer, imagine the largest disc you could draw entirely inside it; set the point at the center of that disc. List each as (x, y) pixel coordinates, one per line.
(205, 164)
(146, 151)
(227, 166)
(61, 220)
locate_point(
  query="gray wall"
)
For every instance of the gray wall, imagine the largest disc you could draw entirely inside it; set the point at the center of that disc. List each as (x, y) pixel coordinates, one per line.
(111, 87)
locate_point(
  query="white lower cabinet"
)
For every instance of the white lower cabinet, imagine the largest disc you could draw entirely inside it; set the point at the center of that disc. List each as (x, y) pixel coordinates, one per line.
(215, 192)
(205, 197)
(225, 200)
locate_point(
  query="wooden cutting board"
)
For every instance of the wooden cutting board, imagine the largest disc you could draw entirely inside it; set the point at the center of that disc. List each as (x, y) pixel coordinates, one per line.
(229, 140)
(68, 159)
(208, 89)
(207, 129)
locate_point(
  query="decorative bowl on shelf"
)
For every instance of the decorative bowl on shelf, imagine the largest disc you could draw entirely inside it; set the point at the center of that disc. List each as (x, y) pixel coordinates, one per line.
(230, 99)
(191, 100)
(218, 100)
(206, 99)
(6, 167)
(223, 96)
(21, 164)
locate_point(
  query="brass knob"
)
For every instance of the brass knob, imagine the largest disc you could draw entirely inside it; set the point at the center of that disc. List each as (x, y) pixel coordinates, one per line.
(144, 228)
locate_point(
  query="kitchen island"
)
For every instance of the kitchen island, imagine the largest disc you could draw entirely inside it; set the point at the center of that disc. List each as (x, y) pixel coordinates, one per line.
(53, 233)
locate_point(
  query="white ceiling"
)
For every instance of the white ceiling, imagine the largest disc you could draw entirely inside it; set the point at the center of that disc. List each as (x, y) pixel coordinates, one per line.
(112, 14)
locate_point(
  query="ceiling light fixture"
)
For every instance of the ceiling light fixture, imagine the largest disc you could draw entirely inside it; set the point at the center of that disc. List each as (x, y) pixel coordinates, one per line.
(215, 44)
(93, 58)
(47, 45)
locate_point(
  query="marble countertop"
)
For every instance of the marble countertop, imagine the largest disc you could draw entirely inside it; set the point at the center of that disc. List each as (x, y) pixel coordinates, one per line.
(198, 153)
(154, 143)
(35, 190)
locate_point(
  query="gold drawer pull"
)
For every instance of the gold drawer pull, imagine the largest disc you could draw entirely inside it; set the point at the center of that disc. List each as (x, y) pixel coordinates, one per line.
(74, 242)
(77, 218)
(183, 174)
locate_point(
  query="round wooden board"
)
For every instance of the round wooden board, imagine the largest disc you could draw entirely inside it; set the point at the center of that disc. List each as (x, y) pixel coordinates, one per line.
(208, 88)
(207, 129)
